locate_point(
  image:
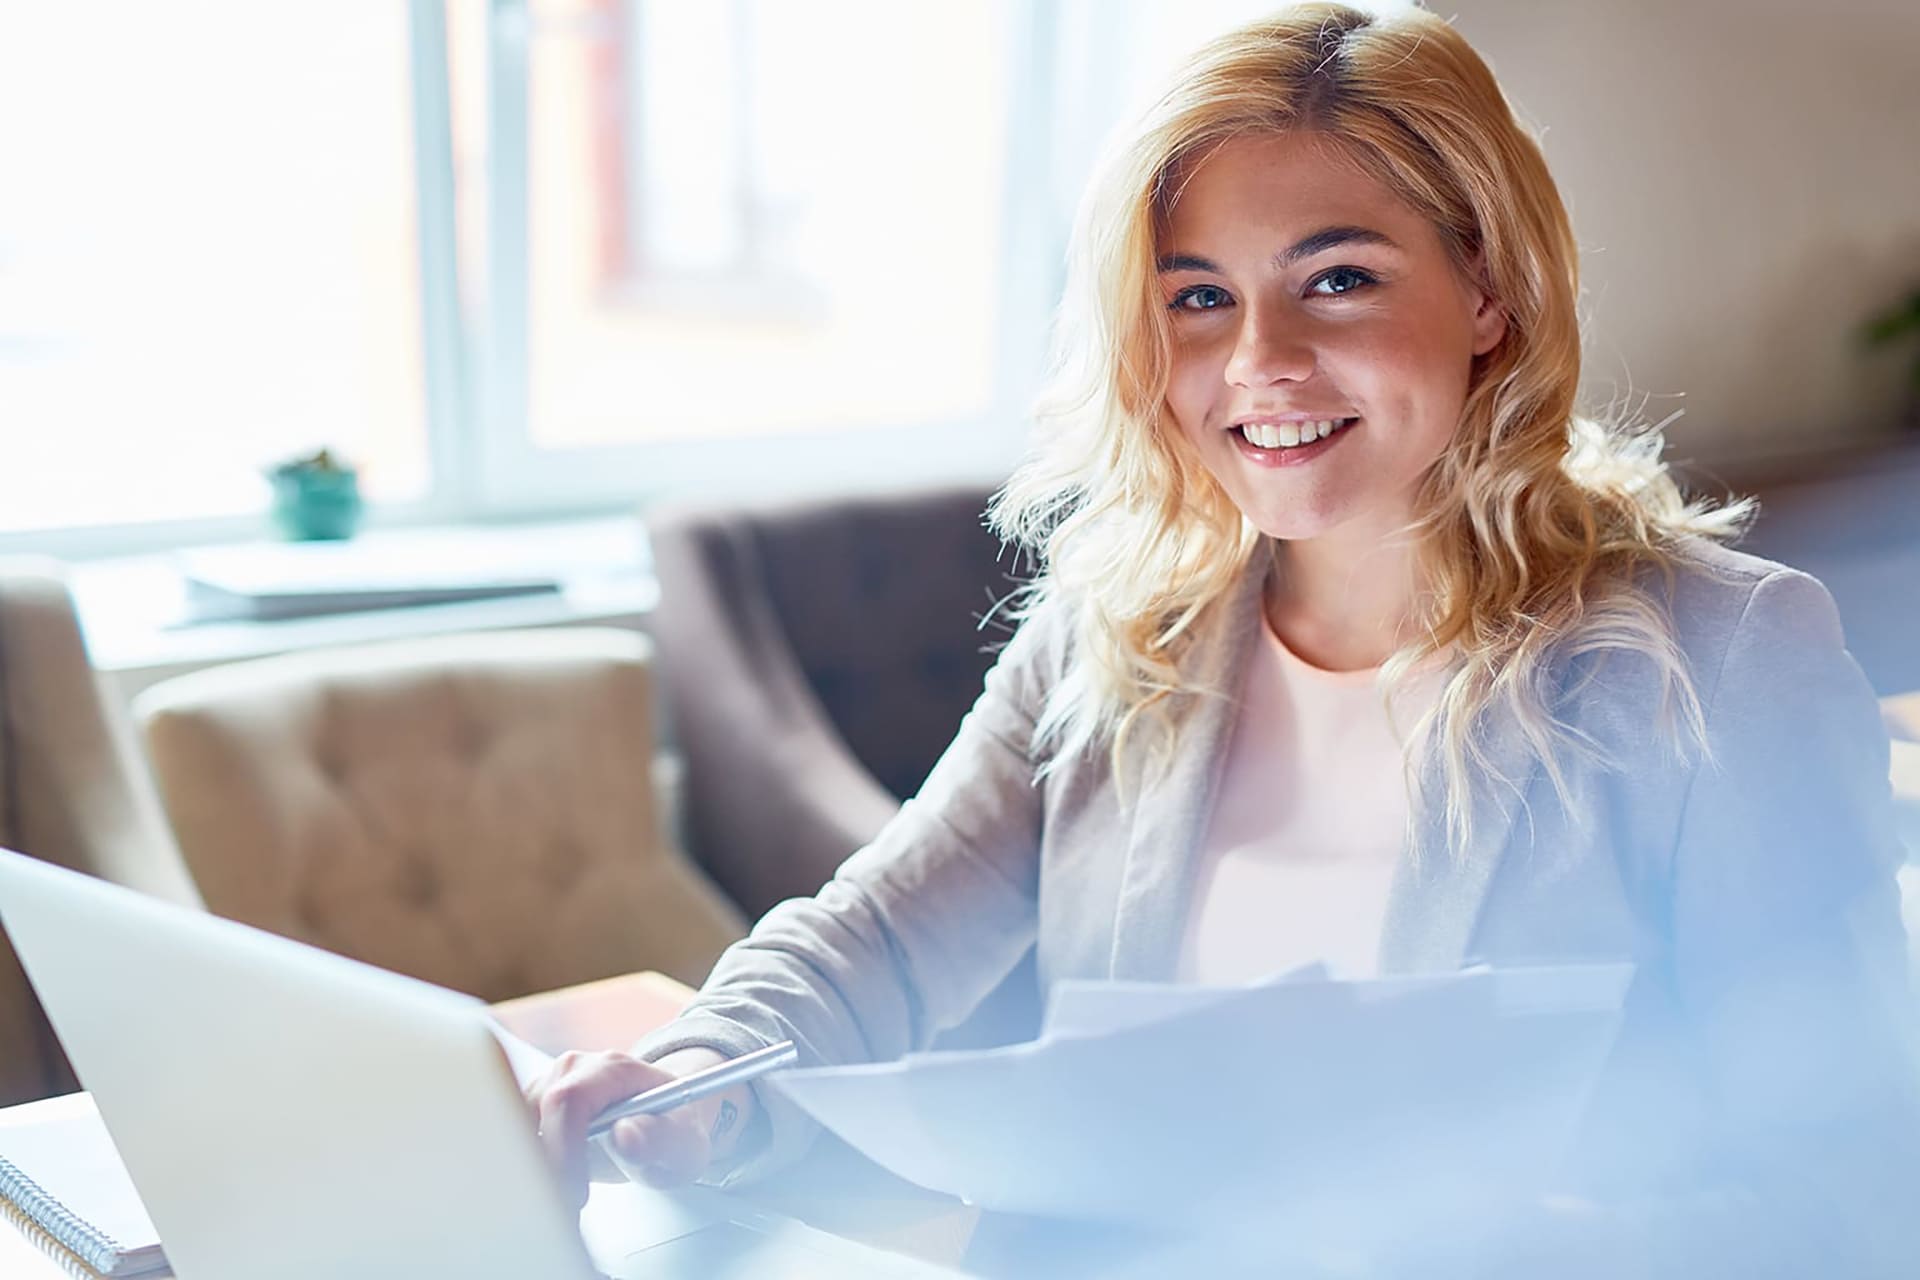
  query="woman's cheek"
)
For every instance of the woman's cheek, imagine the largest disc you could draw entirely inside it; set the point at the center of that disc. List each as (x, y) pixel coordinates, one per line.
(1189, 395)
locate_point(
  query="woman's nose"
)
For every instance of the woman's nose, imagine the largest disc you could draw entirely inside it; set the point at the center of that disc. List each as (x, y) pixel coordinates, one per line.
(1268, 350)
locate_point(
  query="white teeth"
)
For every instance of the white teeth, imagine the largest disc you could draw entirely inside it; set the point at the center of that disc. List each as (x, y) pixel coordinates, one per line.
(1287, 435)
(1261, 434)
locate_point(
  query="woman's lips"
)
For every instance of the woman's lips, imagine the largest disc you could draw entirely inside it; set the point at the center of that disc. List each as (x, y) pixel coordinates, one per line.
(1286, 455)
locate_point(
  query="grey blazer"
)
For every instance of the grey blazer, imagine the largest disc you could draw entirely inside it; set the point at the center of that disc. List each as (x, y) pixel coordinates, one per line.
(1768, 1037)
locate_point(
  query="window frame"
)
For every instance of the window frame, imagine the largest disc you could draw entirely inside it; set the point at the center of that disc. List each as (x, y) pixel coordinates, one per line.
(482, 465)
(514, 476)
(448, 496)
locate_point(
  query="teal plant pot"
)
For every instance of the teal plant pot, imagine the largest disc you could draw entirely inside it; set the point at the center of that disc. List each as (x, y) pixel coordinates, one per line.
(311, 505)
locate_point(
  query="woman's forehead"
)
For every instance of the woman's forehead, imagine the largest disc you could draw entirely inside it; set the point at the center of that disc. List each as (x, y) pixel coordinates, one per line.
(1276, 183)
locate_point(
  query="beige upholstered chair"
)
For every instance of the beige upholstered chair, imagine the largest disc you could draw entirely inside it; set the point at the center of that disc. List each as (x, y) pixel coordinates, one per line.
(1902, 714)
(477, 810)
(72, 791)
(1906, 801)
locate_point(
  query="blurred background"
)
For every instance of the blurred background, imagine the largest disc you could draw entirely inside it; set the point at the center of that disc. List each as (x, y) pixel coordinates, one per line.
(549, 256)
(635, 335)
(525, 263)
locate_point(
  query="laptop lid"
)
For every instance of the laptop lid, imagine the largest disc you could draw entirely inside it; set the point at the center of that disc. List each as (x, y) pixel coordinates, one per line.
(285, 1111)
(288, 1112)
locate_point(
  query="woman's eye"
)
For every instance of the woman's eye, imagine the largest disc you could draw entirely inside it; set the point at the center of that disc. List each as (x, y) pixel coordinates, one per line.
(1340, 280)
(1200, 297)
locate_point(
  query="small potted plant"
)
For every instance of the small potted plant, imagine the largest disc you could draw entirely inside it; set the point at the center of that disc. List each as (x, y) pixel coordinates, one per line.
(316, 496)
(1901, 322)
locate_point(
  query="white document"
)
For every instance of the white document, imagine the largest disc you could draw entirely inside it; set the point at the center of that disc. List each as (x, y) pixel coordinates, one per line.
(527, 1062)
(1307, 1093)
(1082, 1007)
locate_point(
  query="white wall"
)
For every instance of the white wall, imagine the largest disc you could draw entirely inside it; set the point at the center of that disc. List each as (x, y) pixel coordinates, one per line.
(1744, 178)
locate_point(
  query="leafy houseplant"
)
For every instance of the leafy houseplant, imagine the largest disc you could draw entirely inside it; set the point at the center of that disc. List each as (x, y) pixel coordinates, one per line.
(1902, 321)
(316, 496)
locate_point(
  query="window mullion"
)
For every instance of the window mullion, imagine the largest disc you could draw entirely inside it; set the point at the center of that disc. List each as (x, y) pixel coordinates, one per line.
(504, 431)
(449, 399)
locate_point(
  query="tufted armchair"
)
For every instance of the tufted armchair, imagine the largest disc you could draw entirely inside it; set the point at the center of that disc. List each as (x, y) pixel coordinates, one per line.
(72, 791)
(817, 659)
(1902, 714)
(478, 810)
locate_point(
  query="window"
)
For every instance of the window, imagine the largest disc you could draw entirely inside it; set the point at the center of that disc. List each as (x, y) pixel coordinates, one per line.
(207, 257)
(511, 255)
(747, 240)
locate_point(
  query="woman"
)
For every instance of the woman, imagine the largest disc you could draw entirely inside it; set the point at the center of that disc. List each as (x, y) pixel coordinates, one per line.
(1315, 437)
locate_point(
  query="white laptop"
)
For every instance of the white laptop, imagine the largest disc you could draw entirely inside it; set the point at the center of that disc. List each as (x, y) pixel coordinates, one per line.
(287, 1112)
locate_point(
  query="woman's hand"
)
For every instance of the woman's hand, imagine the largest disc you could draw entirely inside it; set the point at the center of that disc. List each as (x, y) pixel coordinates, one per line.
(663, 1150)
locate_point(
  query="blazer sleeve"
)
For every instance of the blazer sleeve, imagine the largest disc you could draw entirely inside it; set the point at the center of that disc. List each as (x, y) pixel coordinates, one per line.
(1789, 957)
(912, 931)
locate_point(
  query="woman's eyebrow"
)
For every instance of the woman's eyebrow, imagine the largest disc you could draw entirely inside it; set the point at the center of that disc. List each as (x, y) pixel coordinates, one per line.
(1328, 238)
(1319, 242)
(1186, 262)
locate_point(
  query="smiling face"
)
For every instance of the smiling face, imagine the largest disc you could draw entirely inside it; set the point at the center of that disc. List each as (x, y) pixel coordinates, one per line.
(1309, 303)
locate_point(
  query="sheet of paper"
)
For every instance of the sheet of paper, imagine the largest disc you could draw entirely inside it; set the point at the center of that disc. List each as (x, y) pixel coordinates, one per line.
(1309, 1094)
(1081, 1007)
(527, 1062)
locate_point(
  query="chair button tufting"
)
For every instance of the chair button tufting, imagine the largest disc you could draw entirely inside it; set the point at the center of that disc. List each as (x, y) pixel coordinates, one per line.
(472, 741)
(332, 763)
(307, 911)
(563, 863)
(418, 884)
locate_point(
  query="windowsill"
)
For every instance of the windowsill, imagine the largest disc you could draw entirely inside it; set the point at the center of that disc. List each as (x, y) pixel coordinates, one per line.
(133, 610)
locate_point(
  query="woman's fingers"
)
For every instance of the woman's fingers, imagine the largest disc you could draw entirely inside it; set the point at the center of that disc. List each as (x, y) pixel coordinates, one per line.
(664, 1150)
(578, 1087)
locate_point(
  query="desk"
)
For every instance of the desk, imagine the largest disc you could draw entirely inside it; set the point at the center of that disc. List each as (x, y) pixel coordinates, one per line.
(609, 1014)
(612, 1014)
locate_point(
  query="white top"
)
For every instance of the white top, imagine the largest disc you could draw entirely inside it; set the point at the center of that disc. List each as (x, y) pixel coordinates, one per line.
(1308, 824)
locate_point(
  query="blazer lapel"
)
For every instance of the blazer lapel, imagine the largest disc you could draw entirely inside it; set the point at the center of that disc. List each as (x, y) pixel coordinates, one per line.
(1175, 793)
(1435, 901)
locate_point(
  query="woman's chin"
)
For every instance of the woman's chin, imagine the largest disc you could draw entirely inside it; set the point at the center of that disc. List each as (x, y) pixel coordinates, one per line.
(1292, 527)
(1334, 518)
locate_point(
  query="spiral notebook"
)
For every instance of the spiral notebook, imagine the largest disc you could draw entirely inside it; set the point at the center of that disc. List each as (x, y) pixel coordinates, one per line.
(59, 1171)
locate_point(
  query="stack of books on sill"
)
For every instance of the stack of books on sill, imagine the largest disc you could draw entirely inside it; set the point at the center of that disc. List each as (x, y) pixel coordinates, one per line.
(273, 582)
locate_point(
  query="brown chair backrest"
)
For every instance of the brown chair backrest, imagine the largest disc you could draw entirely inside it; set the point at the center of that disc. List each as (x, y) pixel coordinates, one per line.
(72, 791)
(818, 657)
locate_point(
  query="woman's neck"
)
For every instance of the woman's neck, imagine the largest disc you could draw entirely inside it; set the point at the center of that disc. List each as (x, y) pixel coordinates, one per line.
(1343, 604)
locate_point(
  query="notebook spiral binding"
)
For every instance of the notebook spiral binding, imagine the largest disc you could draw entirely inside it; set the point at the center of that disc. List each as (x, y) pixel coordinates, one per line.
(36, 1235)
(89, 1245)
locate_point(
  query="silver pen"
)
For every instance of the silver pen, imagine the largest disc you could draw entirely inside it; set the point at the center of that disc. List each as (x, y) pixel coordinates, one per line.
(686, 1089)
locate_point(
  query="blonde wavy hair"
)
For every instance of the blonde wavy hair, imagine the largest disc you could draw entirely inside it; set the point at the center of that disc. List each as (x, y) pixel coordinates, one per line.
(1531, 527)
